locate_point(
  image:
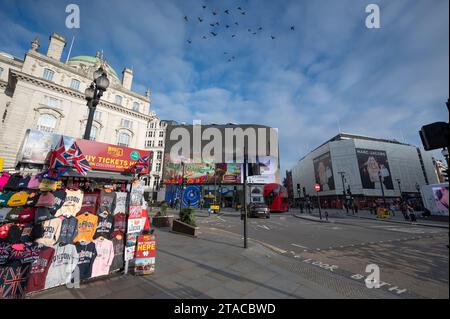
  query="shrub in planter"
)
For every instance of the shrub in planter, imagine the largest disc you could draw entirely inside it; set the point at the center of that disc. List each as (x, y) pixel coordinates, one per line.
(162, 210)
(162, 219)
(187, 216)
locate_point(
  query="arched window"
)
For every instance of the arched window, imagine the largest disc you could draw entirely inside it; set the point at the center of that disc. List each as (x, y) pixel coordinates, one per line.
(124, 139)
(118, 99)
(46, 123)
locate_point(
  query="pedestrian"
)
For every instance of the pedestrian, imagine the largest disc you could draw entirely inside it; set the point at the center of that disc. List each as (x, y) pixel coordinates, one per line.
(202, 203)
(392, 209)
(355, 206)
(412, 214)
(404, 210)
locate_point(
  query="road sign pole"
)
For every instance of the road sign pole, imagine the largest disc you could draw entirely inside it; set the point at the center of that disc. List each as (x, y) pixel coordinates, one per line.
(245, 197)
(317, 188)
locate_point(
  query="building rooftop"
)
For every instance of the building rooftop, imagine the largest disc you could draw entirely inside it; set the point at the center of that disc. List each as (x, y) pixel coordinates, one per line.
(90, 60)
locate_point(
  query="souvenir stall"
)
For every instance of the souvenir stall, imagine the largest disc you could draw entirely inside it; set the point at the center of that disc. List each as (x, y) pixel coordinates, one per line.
(67, 224)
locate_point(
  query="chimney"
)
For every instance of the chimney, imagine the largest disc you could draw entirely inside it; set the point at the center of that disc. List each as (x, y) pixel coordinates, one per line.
(56, 46)
(127, 78)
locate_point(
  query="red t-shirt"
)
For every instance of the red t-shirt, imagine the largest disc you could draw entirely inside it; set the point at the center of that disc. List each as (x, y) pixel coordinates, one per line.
(39, 270)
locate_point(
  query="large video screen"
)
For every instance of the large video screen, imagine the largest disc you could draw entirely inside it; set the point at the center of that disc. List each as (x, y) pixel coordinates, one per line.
(323, 172)
(372, 163)
(441, 199)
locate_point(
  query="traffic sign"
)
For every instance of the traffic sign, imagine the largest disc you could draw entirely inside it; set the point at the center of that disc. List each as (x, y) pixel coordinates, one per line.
(317, 187)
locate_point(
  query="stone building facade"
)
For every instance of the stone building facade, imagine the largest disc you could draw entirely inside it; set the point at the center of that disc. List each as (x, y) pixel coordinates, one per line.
(44, 93)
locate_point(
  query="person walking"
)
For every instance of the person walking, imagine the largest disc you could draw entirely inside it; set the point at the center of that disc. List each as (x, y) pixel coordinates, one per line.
(412, 214)
(404, 210)
(355, 206)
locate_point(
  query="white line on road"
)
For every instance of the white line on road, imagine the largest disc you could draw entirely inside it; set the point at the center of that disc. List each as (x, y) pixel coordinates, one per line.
(264, 226)
(296, 245)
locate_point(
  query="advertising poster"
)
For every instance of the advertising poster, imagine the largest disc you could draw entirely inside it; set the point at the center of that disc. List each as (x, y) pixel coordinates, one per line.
(323, 172)
(136, 220)
(371, 163)
(265, 171)
(101, 156)
(145, 254)
(441, 199)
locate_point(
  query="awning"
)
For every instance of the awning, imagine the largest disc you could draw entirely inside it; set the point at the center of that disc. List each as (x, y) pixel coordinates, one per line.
(99, 174)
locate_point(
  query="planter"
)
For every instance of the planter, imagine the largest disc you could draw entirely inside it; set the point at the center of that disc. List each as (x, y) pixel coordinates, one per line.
(162, 221)
(180, 227)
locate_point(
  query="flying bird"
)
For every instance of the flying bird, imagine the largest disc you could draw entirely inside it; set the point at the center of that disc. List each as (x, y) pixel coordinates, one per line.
(227, 26)
(186, 18)
(249, 30)
(243, 13)
(227, 11)
(229, 60)
(254, 32)
(204, 7)
(212, 24)
(214, 34)
(239, 8)
(260, 28)
(200, 19)
(236, 23)
(214, 13)
(233, 35)
(293, 28)
(217, 23)
(189, 41)
(225, 53)
(272, 37)
(204, 37)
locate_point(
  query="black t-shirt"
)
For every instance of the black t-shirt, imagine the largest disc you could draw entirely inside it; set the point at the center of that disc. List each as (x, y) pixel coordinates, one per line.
(86, 256)
(104, 226)
(13, 182)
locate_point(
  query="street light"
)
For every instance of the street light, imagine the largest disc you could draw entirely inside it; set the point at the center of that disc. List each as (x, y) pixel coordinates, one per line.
(399, 188)
(182, 188)
(344, 198)
(93, 94)
(382, 188)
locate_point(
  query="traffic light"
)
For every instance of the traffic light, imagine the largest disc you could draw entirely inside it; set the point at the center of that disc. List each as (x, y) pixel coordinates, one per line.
(435, 135)
(304, 191)
(298, 188)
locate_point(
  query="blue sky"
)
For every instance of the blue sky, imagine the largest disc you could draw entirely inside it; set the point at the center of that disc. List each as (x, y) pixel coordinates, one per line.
(330, 72)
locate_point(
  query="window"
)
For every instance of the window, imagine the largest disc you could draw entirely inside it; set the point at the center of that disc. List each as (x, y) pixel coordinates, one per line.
(124, 139)
(46, 123)
(160, 143)
(118, 99)
(148, 143)
(136, 106)
(126, 123)
(159, 155)
(158, 167)
(97, 115)
(151, 133)
(151, 125)
(48, 74)
(93, 135)
(75, 84)
(52, 102)
(161, 133)
(1, 72)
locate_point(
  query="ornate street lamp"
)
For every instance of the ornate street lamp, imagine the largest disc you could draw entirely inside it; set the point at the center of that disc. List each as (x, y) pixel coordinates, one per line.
(93, 94)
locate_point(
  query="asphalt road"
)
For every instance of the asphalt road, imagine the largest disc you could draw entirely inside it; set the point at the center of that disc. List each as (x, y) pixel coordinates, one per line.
(413, 260)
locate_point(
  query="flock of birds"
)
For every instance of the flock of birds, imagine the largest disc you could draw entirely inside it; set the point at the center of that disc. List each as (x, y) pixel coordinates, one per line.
(232, 27)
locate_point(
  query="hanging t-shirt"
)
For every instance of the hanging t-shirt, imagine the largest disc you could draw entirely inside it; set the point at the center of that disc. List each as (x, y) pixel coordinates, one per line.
(69, 230)
(60, 197)
(72, 203)
(63, 264)
(120, 222)
(104, 225)
(120, 206)
(118, 241)
(107, 199)
(5, 252)
(86, 256)
(42, 214)
(39, 269)
(51, 229)
(24, 253)
(3, 213)
(89, 203)
(105, 256)
(87, 224)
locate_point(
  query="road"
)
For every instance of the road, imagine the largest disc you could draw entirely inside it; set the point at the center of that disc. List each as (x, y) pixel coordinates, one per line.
(413, 260)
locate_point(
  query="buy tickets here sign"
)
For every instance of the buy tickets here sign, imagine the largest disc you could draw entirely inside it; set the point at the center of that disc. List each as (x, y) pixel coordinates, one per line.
(146, 246)
(102, 156)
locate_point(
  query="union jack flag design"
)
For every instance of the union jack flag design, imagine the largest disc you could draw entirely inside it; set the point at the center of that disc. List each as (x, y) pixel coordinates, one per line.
(13, 282)
(57, 158)
(142, 163)
(76, 158)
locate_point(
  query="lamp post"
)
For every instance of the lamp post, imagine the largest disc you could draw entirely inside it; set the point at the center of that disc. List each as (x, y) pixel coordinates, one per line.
(382, 188)
(182, 188)
(400, 188)
(343, 189)
(93, 94)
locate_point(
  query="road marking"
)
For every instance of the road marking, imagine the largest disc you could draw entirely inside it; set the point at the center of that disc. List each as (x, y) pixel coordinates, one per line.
(264, 226)
(296, 245)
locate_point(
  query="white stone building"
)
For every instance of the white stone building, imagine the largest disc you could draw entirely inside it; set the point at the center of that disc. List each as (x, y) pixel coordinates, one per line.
(44, 93)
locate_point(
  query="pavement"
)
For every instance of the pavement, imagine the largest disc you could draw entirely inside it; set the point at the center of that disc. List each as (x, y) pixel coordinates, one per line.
(287, 257)
(215, 265)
